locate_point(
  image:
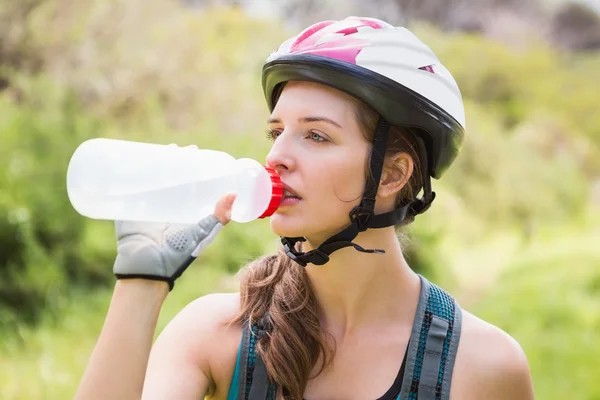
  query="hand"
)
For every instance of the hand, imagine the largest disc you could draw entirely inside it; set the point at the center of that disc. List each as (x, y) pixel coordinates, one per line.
(163, 252)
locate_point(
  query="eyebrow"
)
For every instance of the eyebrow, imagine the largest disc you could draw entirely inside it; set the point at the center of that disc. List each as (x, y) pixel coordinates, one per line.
(308, 119)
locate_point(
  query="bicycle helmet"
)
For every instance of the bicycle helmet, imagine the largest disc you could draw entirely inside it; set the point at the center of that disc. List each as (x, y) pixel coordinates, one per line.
(397, 75)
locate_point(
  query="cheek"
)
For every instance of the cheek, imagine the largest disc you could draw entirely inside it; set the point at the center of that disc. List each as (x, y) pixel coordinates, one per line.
(342, 182)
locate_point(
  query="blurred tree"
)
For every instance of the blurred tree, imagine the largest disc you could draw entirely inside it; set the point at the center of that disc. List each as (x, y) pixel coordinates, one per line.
(447, 14)
(15, 35)
(576, 26)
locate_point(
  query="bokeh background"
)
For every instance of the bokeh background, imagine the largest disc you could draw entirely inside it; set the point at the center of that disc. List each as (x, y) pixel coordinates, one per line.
(514, 233)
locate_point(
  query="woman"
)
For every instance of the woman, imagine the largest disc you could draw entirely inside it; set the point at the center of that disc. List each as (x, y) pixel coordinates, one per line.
(363, 115)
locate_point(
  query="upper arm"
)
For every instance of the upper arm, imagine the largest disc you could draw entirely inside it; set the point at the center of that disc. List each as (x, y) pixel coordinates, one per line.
(490, 365)
(511, 378)
(180, 360)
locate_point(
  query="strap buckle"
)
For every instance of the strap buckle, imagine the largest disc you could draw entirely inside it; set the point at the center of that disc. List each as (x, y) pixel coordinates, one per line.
(361, 217)
(289, 245)
(419, 206)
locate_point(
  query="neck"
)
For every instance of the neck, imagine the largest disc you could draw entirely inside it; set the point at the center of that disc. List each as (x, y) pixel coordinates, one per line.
(358, 290)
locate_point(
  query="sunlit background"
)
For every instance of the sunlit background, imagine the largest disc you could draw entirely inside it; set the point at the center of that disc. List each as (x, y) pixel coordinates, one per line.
(514, 234)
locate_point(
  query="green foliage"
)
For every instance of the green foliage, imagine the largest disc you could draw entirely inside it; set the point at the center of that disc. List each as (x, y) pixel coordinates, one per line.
(41, 243)
(514, 179)
(422, 245)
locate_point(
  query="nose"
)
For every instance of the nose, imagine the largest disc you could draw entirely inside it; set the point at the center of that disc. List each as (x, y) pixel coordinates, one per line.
(280, 157)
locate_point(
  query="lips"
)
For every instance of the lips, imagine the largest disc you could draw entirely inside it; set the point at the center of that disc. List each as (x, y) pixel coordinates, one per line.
(289, 192)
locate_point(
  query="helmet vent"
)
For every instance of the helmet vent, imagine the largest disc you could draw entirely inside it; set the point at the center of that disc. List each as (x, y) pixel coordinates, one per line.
(428, 68)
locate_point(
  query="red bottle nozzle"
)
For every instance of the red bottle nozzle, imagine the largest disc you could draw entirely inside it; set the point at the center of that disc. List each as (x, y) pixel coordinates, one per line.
(276, 194)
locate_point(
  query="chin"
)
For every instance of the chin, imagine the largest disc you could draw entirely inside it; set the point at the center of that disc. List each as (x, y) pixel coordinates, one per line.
(286, 225)
(298, 226)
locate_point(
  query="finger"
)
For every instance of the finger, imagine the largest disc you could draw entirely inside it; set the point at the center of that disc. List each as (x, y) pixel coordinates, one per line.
(223, 208)
(209, 228)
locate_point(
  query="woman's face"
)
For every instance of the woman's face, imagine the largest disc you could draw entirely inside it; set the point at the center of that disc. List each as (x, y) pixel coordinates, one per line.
(320, 153)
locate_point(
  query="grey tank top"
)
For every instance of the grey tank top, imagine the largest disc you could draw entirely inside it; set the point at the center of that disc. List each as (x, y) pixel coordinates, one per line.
(426, 372)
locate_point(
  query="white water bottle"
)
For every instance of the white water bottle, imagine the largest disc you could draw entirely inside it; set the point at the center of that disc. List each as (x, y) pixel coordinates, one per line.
(132, 181)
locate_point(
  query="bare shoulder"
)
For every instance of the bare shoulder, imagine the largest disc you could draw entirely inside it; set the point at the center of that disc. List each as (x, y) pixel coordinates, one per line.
(207, 322)
(211, 310)
(207, 317)
(490, 364)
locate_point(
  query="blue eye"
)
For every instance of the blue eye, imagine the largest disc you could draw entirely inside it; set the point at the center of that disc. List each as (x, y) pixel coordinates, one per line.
(316, 137)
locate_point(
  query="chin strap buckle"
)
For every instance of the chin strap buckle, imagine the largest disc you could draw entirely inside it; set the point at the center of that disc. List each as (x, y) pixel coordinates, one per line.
(289, 246)
(362, 214)
(419, 206)
(316, 256)
(361, 218)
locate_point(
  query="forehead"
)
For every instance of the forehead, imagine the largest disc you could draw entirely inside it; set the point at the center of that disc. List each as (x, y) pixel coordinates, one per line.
(313, 98)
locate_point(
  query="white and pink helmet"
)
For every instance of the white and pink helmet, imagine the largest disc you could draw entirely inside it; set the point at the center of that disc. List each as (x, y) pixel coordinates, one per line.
(388, 68)
(396, 74)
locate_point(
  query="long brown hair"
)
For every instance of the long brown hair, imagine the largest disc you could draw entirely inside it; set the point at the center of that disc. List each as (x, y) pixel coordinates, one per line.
(277, 292)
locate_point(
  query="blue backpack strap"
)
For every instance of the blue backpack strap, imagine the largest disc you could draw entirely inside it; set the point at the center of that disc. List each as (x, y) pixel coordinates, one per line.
(253, 381)
(243, 363)
(432, 347)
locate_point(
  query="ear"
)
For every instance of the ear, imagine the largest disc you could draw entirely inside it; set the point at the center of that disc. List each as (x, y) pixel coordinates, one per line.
(397, 171)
